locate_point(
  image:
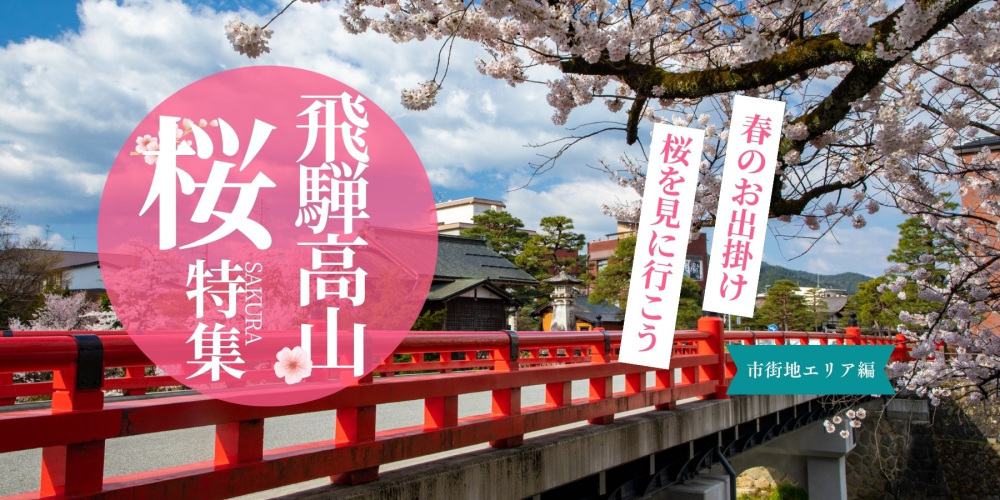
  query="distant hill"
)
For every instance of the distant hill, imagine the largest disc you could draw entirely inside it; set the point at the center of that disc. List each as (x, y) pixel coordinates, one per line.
(845, 281)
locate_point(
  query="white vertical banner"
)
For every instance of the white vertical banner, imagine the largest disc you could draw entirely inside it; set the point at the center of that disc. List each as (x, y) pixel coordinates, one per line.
(744, 202)
(661, 245)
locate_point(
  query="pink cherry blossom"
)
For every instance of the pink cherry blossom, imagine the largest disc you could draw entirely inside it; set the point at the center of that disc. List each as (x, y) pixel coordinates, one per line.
(246, 39)
(142, 142)
(146, 143)
(421, 97)
(293, 365)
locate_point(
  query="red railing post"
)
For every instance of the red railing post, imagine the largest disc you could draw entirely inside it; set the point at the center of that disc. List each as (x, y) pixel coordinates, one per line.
(239, 442)
(7, 381)
(853, 336)
(356, 425)
(635, 383)
(559, 393)
(900, 352)
(601, 387)
(690, 375)
(715, 344)
(440, 412)
(507, 402)
(78, 468)
(136, 372)
(665, 382)
(730, 366)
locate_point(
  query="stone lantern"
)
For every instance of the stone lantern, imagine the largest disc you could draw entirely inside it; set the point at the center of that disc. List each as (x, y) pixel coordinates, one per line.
(563, 318)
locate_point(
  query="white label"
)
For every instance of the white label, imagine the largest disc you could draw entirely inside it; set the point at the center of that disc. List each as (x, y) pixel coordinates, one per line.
(661, 246)
(744, 202)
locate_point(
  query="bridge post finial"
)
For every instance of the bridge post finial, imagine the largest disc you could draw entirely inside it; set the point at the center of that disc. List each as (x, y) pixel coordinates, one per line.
(854, 319)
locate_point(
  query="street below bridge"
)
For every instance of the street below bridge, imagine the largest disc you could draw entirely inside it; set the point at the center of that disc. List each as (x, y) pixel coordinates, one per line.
(133, 454)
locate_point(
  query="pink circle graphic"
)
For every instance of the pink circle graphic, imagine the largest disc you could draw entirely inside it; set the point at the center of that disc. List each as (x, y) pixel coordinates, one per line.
(267, 235)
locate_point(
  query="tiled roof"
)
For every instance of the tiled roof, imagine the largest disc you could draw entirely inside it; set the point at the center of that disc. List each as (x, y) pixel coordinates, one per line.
(978, 144)
(441, 290)
(461, 257)
(73, 259)
(835, 304)
(588, 312)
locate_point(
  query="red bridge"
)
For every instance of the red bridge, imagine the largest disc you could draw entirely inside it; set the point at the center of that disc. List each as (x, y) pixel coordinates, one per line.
(73, 431)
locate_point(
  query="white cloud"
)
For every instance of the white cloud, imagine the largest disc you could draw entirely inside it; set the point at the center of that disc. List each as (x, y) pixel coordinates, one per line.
(579, 199)
(844, 250)
(70, 104)
(55, 240)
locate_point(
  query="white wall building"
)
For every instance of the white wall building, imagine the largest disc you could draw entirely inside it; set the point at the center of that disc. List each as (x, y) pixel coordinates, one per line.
(808, 291)
(77, 271)
(454, 216)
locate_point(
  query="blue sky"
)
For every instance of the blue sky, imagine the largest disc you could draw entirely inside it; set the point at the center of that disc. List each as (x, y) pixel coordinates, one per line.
(78, 76)
(21, 20)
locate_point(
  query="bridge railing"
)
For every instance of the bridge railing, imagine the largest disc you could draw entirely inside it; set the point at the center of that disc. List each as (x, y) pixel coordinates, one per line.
(74, 430)
(132, 381)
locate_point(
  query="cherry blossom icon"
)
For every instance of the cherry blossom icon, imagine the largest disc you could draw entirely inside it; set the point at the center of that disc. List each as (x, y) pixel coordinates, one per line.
(293, 365)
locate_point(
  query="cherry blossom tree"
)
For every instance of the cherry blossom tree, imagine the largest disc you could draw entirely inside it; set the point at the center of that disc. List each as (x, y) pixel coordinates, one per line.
(877, 95)
(64, 312)
(26, 268)
(67, 312)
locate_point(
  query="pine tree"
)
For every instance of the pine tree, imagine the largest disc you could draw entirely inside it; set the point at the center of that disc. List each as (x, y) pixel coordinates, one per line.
(551, 250)
(689, 305)
(502, 231)
(785, 308)
(877, 306)
(817, 307)
(917, 239)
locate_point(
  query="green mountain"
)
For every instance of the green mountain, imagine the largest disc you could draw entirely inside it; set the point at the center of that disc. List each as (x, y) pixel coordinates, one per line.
(844, 281)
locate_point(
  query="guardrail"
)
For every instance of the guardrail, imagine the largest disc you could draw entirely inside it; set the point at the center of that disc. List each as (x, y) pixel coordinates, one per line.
(73, 432)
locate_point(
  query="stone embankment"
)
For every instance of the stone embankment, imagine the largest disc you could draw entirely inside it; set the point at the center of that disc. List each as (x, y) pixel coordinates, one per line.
(909, 450)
